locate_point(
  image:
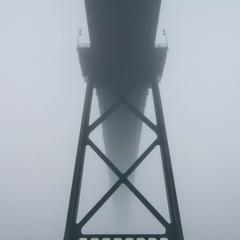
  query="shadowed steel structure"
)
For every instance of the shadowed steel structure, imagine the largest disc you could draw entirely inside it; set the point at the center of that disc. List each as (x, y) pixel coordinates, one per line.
(122, 63)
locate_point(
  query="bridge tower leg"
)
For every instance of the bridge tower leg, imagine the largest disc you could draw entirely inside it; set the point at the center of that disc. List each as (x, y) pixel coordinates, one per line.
(73, 230)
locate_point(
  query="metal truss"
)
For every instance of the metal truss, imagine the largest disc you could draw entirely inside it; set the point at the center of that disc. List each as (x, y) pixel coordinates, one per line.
(173, 228)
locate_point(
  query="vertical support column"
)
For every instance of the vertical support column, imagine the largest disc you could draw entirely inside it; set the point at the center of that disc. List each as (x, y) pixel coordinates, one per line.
(175, 232)
(70, 230)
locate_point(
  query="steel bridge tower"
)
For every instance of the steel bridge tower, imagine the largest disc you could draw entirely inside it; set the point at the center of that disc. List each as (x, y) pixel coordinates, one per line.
(122, 63)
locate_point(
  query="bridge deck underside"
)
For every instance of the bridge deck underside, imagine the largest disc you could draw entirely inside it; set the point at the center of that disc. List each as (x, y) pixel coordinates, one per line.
(114, 23)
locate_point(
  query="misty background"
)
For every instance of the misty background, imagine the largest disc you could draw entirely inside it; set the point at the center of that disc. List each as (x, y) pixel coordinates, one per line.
(42, 93)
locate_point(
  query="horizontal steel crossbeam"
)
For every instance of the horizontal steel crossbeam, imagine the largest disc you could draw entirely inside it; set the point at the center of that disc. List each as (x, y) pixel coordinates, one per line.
(123, 236)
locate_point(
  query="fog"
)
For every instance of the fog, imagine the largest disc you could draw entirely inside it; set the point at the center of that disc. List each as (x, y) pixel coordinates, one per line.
(42, 93)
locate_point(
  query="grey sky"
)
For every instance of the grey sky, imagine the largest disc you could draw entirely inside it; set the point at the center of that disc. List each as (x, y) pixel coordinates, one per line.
(41, 103)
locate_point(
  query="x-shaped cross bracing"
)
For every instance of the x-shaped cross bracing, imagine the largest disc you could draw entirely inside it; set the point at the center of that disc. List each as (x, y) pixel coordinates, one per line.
(123, 177)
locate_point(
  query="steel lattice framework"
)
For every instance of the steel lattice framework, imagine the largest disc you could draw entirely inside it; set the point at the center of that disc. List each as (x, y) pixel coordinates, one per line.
(173, 229)
(123, 60)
